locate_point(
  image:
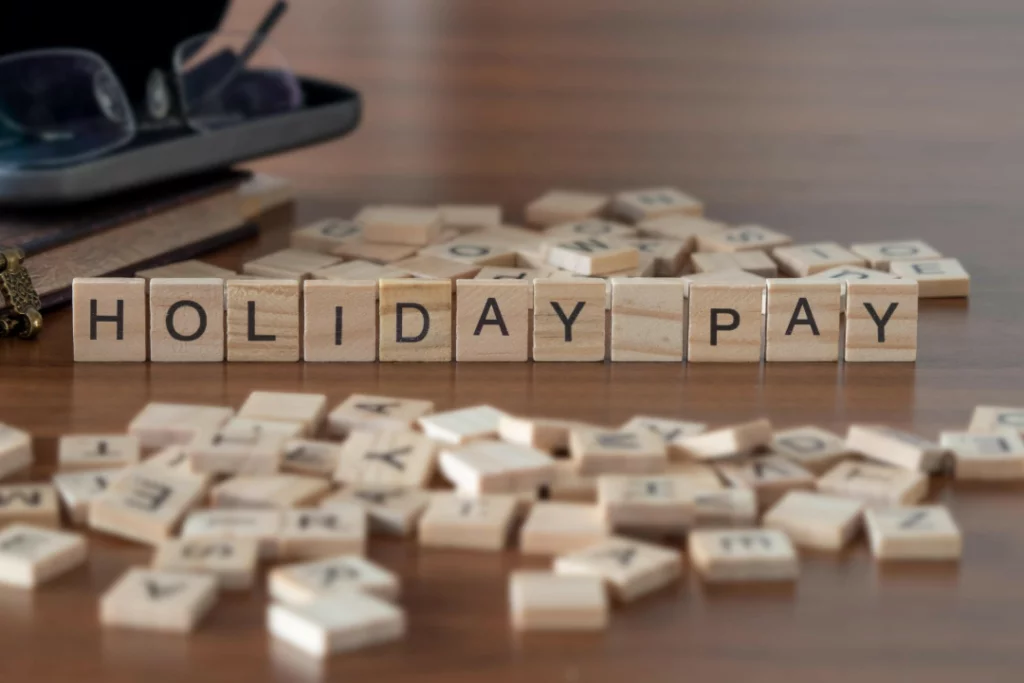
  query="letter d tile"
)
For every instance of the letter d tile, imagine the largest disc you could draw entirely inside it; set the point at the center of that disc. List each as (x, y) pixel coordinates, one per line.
(415, 320)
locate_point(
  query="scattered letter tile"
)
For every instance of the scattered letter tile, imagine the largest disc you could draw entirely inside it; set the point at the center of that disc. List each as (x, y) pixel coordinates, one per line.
(542, 601)
(456, 521)
(551, 528)
(875, 484)
(985, 457)
(89, 452)
(743, 555)
(376, 413)
(158, 600)
(896, 447)
(30, 555)
(387, 458)
(344, 622)
(924, 532)
(232, 561)
(306, 582)
(603, 451)
(631, 569)
(816, 520)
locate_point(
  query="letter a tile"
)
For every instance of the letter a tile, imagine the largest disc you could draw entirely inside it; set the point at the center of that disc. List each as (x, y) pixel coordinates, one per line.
(802, 321)
(493, 320)
(158, 600)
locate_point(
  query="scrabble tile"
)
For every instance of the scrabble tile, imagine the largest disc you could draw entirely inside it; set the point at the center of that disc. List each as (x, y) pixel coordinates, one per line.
(896, 447)
(814, 448)
(415, 320)
(145, 505)
(923, 532)
(470, 216)
(754, 262)
(387, 458)
(472, 251)
(31, 556)
(478, 523)
(307, 582)
(726, 442)
(607, 451)
(495, 467)
(801, 260)
(324, 235)
(89, 451)
(695, 475)
(15, 450)
(569, 320)
(743, 238)
(547, 434)
(725, 323)
(669, 430)
(987, 419)
(268, 491)
(588, 228)
(238, 448)
(310, 458)
(648, 319)
(186, 269)
(374, 252)
(173, 458)
(527, 275)
(985, 457)
(734, 276)
(592, 255)
(29, 503)
(936, 279)
(846, 274)
(78, 489)
(358, 271)
(630, 569)
(157, 600)
(341, 623)
(289, 263)
(743, 555)
(669, 256)
(561, 206)
(556, 527)
(679, 227)
(278, 406)
(567, 484)
(770, 477)
(802, 321)
(262, 526)
(462, 425)
(880, 254)
(339, 321)
(648, 503)
(263, 320)
(186, 320)
(724, 508)
(543, 601)
(307, 534)
(413, 225)
(816, 520)
(881, 321)
(376, 413)
(877, 485)
(648, 203)
(437, 268)
(493, 320)
(165, 424)
(109, 319)
(392, 510)
(233, 562)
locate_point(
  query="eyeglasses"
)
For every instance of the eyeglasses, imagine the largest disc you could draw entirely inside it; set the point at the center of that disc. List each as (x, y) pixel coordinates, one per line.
(61, 106)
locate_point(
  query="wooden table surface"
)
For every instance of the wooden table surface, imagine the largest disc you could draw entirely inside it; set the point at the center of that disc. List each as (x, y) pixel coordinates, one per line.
(845, 120)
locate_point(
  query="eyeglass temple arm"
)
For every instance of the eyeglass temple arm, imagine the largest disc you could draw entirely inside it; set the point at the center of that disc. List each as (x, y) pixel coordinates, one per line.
(270, 20)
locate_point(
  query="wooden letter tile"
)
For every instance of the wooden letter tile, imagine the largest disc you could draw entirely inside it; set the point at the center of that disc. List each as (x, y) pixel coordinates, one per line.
(325, 235)
(145, 505)
(924, 532)
(552, 528)
(753, 262)
(307, 534)
(725, 323)
(648, 318)
(543, 601)
(985, 457)
(415, 320)
(546, 434)
(186, 269)
(262, 526)
(344, 622)
(473, 250)
(15, 450)
(109, 319)
(679, 227)
(896, 447)
(496, 467)
(31, 555)
(469, 217)
(592, 255)
(770, 477)
(233, 562)
(340, 320)
(669, 255)
(569, 485)
(801, 260)
(726, 442)
(166, 424)
(654, 202)
(186, 320)
(268, 491)
(877, 485)
(78, 489)
(493, 320)
(816, 520)
(239, 447)
(357, 271)
(387, 459)
(376, 413)
(630, 569)
(846, 274)
(157, 600)
(560, 206)
(988, 419)
(743, 555)
(646, 503)
(311, 458)
(695, 475)
(307, 582)
(276, 406)
(881, 321)
(587, 229)
(569, 320)
(412, 225)
(430, 267)
(462, 425)
(725, 508)
(263, 320)
(816, 449)
(373, 252)
(603, 451)
(392, 510)
(743, 238)
(802, 322)
(455, 521)
(288, 264)
(880, 254)
(29, 503)
(936, 279)
(88, 452)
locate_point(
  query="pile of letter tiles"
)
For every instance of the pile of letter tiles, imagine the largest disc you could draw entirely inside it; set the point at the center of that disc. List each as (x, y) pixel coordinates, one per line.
(299, 488)
(641, 275)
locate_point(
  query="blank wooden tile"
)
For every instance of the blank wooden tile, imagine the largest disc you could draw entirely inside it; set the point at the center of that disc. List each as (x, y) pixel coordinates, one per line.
(569, 485)
(648, 317)
(816, 449)
(725, 442)
(875, 484)
(547, 434)
(816, 520)
(268, 491)
(985, 457)
(166, 424)
(679, 227)
(462, 425)
(493, 320)
(92, 451)
(987, 419)
(358, 272)
(739, 555)
(924, 532)
(32, 555)
(306, 582)
(343, 622)
(802, 321)
(437, 268)
(478, 523)
(392, 510)
(262, 526)
(724, 508)
(186, 269)
(592, 255)
(561, 206)
(307, 410)
(339, 321)
(608, 451)
(15, 450)
(263, 320)
(770, 477)
(646, 503)
(29, 503)
(310, 458)
(630, 569)
(495, 467)
(669, 255)
(238, 448)
(477, 252)
(754, 262)
(669, 430)
(376, 413)
(186, 320)
(145, 505)
(289, 263)
(468, 217)
(109, 319)
(725, 323)
(324, 235)
(157, 600)
(936, 279)
(555, 527)
(415, 320)
(653, 202)
(743, 238)
(374, 252)
(695, 475)
(569, 320)
(543, 601)
(232, 561)
(78, 489)
(322, 532)
(414, 225)
(880, 254)
(881, 321)
(386, 458)
(896, 447)
(801, 260)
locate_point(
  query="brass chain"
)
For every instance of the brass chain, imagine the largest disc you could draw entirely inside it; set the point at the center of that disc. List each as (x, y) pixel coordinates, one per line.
(17, 290)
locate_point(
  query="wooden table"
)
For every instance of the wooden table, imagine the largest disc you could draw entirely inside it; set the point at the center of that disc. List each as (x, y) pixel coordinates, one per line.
(845, 120)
